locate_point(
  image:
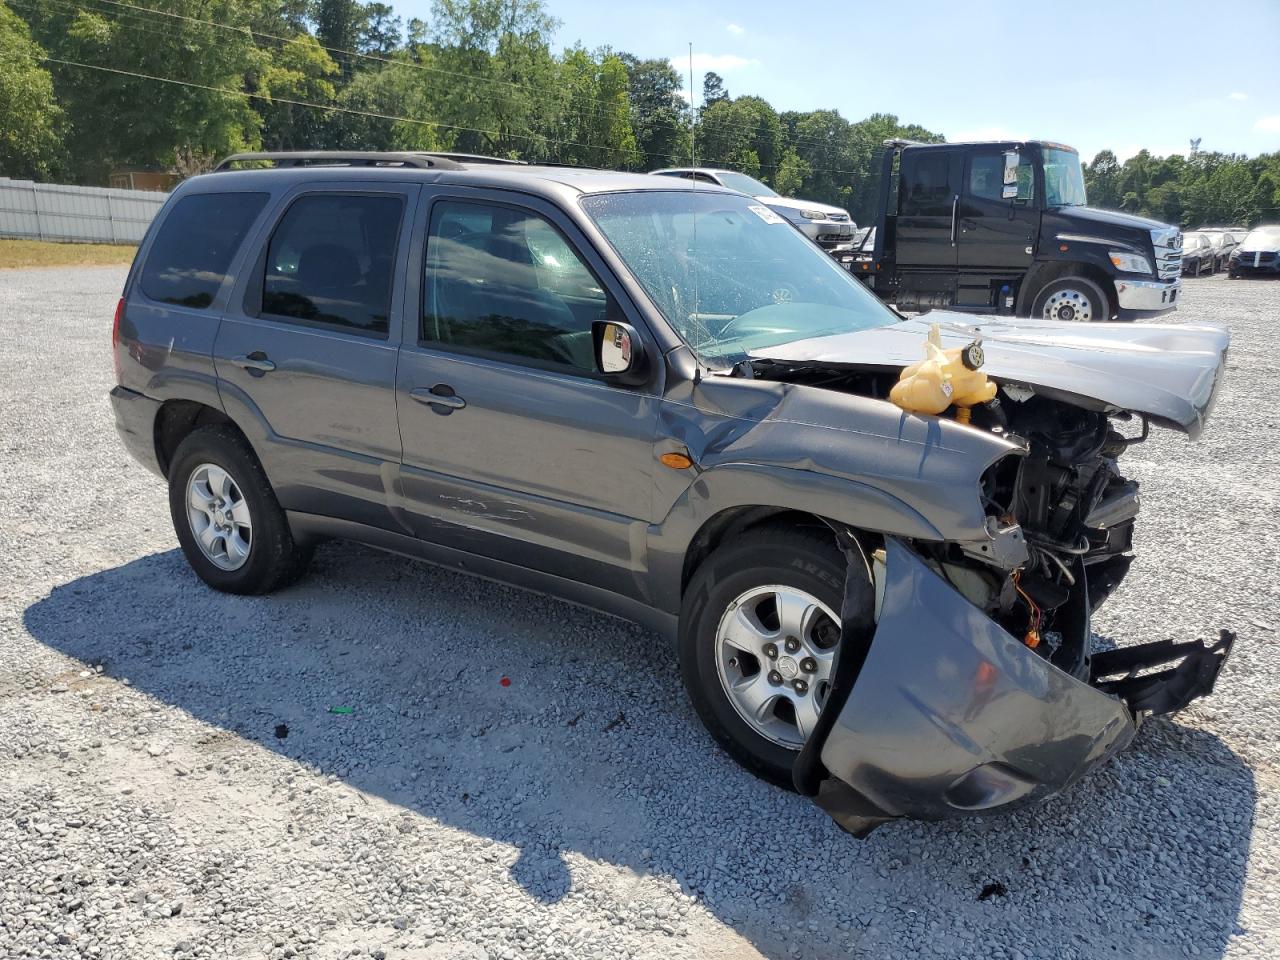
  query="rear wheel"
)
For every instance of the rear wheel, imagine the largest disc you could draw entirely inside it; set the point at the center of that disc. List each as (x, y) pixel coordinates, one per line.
(759, 632)
(1072, 299)
(230, 527)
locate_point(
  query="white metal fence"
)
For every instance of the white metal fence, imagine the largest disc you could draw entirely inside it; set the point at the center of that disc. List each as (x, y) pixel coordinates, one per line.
(50, 211)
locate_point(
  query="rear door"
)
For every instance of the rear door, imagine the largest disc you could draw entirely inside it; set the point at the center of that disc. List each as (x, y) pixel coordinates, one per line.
(996, 233)
(928, 196)
(308, 351)
(514, 446)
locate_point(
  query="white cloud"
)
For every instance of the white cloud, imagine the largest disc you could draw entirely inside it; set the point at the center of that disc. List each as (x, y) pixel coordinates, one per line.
(1237, 95)
(1268, 124)
(736, 30)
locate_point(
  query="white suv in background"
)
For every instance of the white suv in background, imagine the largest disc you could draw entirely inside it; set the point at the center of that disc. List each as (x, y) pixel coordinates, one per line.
(828, 226)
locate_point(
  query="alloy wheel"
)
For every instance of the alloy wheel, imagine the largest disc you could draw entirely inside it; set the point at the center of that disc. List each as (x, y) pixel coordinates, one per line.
(775, 649)
(219, 516)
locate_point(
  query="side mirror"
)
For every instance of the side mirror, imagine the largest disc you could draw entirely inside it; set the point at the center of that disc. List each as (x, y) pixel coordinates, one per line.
(1010, 190)
(619, 351)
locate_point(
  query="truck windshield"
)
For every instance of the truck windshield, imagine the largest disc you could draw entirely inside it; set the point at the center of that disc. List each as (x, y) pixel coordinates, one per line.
(744, 184)
(1063, 178)
(730, 275)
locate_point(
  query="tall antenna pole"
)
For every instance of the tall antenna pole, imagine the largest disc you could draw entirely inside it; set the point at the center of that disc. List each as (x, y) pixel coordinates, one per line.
(693, 115)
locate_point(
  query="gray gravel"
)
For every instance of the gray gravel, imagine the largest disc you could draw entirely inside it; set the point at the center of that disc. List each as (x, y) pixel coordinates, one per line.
(149, 807)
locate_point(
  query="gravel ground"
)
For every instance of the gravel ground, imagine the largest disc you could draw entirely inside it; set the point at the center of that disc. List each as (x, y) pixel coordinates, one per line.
(173, 781)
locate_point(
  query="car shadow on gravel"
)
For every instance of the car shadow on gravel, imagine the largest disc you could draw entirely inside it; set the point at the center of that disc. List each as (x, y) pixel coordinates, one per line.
(532, 723)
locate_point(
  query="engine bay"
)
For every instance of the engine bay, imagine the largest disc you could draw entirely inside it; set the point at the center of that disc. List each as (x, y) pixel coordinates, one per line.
(1075, 508)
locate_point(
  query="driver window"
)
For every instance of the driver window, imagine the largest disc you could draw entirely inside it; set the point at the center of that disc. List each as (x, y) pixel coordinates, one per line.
(505, 283)
(986, 176)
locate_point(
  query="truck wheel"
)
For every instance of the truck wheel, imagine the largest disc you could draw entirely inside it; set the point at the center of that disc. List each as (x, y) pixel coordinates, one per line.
(759, 630)
(1072, 299)
(228, 522)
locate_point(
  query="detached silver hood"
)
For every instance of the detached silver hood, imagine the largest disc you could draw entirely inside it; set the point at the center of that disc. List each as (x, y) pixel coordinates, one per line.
(1167, 372)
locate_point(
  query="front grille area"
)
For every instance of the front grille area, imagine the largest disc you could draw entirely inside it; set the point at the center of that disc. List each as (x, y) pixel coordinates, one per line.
(838, 217)
(1168, 249)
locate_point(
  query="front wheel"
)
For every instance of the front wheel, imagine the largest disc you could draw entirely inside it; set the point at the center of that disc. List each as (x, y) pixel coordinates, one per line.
(1072, 299)
(759, 631)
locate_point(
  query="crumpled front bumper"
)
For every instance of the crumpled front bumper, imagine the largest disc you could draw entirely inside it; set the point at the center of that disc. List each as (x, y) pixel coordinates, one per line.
(948, 714)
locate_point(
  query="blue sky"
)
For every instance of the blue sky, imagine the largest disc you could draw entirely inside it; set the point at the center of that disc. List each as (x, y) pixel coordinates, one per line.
(1088, 73)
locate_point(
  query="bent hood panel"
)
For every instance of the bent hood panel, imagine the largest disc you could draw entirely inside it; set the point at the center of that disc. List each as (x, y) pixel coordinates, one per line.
(1168, 372)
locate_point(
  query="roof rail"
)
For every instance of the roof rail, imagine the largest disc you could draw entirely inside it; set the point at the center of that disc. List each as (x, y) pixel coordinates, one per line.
(341, 158)
(474, 158)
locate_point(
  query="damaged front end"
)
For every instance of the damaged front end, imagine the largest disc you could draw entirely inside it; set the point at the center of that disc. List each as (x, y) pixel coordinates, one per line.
(966, 684)
(936, 711)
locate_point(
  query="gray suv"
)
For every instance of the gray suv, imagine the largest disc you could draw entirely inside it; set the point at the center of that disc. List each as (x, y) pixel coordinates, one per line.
(664, 403)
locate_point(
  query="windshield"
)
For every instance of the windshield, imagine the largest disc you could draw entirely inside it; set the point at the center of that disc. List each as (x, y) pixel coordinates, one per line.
(1063, 179)
(744, 184)
(731, 276)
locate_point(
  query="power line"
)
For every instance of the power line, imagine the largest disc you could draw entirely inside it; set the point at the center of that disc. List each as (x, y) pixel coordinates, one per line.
(243, 94)
(388, 61)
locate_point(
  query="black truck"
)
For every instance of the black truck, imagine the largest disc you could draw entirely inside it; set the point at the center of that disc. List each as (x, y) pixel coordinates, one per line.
(1003, 227)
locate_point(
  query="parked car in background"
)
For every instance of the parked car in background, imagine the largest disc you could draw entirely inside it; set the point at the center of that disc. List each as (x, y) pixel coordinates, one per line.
(1224, 240)
(826, 225)
(1258, 253)
(1198, 254)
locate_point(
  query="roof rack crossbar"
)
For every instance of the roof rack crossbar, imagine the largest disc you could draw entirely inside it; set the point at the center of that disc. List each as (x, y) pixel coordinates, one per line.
(346, 158)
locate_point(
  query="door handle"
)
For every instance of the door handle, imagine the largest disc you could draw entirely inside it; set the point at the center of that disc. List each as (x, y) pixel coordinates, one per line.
(256, 361)
(440, 398)
(955, 202)
(968, 224)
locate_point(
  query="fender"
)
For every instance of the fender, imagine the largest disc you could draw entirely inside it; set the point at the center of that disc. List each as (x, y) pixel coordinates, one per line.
(736, 485)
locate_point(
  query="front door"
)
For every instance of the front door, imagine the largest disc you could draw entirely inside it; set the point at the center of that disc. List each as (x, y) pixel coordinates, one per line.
(308, 351)
(515, 447)
(996, 234)
(928, 195)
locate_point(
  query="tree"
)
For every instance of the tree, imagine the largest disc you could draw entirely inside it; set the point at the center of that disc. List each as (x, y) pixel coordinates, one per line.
(792, 172)
(301, 71)
(659, 115)
(744, 134)
(187, 123)
(381, 31)
(713, 89)
(338, 27)
(30, 121)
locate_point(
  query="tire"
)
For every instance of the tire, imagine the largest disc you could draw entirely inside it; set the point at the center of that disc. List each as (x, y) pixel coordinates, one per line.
(797, 561)
(252, 550)
(1072, 299)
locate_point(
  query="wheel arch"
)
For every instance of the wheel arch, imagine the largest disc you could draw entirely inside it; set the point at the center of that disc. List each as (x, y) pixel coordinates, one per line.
(734, 521)
(175, 421)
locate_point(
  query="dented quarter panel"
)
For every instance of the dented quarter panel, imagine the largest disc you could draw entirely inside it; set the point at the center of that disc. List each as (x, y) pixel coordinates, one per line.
(944, 691)
(1168, 372)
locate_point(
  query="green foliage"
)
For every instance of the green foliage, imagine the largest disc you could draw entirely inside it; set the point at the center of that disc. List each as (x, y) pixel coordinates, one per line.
(30, 121)
(478, 77)
(1204, 190)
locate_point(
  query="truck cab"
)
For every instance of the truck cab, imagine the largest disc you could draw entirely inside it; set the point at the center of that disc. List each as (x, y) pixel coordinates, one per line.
(1004, 227)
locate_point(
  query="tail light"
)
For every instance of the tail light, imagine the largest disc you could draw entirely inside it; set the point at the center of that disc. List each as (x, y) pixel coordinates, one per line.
(115, 337)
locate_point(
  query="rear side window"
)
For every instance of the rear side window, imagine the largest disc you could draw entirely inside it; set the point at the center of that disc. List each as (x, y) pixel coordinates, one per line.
(331, 260)
(193, 250)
